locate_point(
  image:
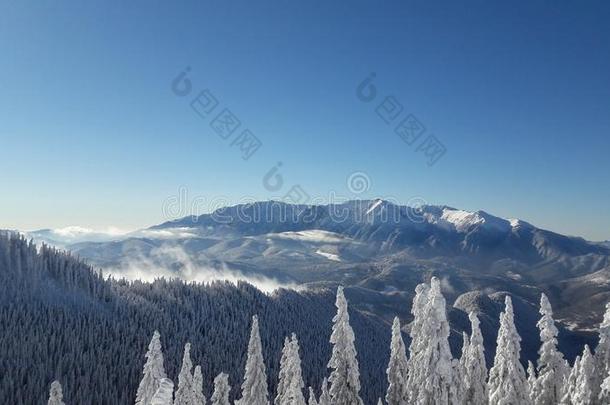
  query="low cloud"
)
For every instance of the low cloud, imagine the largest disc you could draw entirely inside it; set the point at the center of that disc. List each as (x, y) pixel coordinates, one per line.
(167, 261)
(63, 237)
(173, 262)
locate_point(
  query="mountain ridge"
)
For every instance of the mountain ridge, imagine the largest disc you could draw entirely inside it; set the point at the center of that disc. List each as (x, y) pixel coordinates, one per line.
(370, 244)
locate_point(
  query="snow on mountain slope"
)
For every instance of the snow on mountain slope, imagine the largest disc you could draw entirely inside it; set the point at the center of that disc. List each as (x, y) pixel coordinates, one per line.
(464, 221)
(379, 226)
(313, 235)
(373, 206)
(329, 256)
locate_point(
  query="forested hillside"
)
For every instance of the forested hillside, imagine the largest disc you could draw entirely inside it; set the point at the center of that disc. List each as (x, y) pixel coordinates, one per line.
(61, 320)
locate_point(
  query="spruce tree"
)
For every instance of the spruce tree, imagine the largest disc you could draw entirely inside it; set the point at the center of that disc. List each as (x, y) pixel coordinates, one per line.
(418, 340)
(465, 344)
(475, 369)
(184, 393)
(295, 387)
(56, 396)
(284, 373)
(571, 383)
(531, 380)
(290, 387)
(507, 381)
(548, 386)
(325, 394)
(153, 371)
(312, 397)
(584, 393)
(345, 376)
(254, 388)
(432, 367)
(197, 395)
(221, 390)
(397, 371)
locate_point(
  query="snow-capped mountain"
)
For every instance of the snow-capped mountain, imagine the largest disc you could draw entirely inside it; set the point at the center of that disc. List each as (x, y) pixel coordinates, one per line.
(387, 228)
(381, 249)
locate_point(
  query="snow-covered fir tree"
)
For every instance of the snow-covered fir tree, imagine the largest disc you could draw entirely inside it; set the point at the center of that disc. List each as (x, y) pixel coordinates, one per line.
(164, 394)
(184, 393)
(457, 393)
(312, 397)
(221, 390)
(154, 371)
(584, 393)
(325, 394)
(284, 373)
(418, 341)
(345, 376)
(198, 397)
(571, 383)
(549, 384)
(531, 380)
(432, 365)
(475, 369)
(507, 381)
(459, 371)
(295, 388)
(602, 352)
(465, 344)
(290, 388)
(56, 396)
(397, 371)
(254, 389)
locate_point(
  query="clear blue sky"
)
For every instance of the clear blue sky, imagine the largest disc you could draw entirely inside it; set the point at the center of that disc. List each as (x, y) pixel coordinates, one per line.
(92, 135)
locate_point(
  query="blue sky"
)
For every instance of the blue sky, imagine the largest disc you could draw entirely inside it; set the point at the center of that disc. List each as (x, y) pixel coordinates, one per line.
(91, 133)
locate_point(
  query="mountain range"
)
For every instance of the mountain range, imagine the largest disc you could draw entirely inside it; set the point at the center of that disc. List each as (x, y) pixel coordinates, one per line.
(377, 248)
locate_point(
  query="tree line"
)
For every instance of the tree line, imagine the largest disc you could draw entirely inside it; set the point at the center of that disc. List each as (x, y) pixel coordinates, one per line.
(61, 319)
(429, 375)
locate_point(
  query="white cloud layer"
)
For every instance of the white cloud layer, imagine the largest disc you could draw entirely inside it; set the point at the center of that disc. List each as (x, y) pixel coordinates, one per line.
(173, 262)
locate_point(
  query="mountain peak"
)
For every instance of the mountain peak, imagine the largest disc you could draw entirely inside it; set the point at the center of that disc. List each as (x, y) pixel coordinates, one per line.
(463, 221)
